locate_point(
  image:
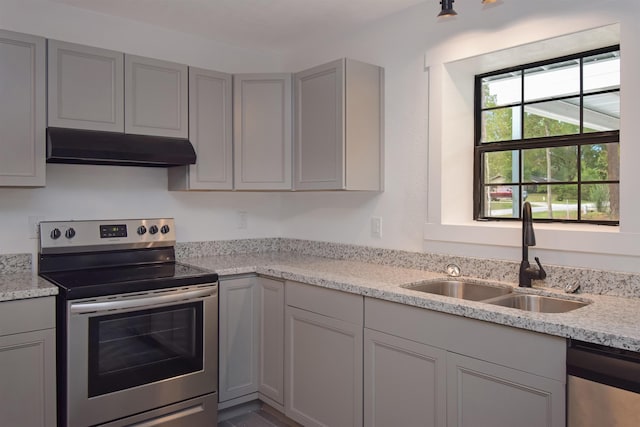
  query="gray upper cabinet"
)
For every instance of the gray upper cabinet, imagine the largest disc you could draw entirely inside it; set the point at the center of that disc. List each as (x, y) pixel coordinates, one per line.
(210, 132)
(99, 89)
(339, 127)
(22, 110)
(86, 87)
(262, 131)
(155, 97)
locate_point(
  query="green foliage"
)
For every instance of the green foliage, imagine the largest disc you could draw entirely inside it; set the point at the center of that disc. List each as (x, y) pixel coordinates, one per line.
(538, 127)
(595, 161)
(544, 165)
(565, 192)
(599, 194)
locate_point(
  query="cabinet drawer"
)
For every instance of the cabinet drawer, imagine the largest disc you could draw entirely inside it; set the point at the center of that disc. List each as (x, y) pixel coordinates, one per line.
(27, 315)
(328, 302)
(528, 351)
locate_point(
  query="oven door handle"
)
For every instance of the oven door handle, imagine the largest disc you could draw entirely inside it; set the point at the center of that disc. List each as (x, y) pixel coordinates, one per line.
(144, 302)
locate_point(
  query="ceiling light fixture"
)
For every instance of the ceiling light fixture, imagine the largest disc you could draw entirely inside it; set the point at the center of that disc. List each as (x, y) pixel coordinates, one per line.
(447, 8)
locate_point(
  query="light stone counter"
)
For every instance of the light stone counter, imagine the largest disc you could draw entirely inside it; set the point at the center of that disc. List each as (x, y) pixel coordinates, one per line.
(18, 282)
(608, 320)
(24, 285)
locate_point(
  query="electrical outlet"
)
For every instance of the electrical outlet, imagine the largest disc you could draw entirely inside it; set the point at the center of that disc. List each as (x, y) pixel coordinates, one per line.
(242, 220)
(376, 227)
(34, 226)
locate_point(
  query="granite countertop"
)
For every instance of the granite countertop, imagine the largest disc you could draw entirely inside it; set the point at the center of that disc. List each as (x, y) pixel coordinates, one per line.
(608, 320)
(15, 286)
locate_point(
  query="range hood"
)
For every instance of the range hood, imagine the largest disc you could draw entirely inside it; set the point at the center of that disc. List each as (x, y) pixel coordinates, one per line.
(113, 148)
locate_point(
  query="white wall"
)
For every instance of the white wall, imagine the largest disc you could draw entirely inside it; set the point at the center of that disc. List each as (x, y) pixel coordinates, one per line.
(60, 21)
(429, 136)
(421, 163)
(93, 192)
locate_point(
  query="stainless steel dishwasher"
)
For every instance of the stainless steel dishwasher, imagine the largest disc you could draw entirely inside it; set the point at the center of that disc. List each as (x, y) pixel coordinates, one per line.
(603, 386)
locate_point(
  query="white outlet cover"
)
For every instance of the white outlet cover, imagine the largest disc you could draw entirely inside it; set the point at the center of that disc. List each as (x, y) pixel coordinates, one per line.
(242, 220)
(376, 227)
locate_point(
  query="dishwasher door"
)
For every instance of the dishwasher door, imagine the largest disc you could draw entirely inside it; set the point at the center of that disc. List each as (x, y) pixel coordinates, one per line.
(603, 386)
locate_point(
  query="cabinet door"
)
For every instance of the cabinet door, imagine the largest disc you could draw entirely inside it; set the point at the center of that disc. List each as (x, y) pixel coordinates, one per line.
(319, 127)
(485, 394)
(28, 392)
(22, 110)
(262, 131)
(271, 360)
(239, 337)
(86, 87)
(404, 382)
(323, 369)
(210, 132)
(155, 96)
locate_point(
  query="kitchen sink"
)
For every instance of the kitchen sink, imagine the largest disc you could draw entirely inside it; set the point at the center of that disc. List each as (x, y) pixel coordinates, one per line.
(473, 291)
(537, 303)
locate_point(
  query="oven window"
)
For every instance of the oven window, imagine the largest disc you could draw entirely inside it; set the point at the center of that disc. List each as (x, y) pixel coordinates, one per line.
(144, 346)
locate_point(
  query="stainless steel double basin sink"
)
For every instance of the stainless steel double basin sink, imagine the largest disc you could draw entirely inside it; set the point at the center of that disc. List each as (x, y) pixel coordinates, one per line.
(501, 295)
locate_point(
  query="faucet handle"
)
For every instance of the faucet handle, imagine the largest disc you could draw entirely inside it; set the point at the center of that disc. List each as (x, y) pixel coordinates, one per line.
(542, 274)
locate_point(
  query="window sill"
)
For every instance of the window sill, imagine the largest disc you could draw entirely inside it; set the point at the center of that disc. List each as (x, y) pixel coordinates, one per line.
(577, 238)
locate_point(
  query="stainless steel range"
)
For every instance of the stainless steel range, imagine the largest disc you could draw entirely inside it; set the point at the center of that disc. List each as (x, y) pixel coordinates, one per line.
(137, 331)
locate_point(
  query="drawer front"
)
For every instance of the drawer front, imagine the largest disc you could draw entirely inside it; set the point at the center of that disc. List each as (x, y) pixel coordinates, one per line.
(27, 315)
(328, 302)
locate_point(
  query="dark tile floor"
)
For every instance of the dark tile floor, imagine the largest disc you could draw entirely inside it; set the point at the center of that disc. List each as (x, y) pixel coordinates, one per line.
(262, 417)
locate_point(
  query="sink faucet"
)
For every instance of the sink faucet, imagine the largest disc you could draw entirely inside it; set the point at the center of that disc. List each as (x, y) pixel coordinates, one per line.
(527, 273)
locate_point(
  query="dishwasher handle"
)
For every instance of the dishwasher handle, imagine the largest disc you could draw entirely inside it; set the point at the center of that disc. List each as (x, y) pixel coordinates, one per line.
(605, 365)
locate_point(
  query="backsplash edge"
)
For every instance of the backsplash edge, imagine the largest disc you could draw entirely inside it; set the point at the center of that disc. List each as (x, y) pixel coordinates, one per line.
(592, 281)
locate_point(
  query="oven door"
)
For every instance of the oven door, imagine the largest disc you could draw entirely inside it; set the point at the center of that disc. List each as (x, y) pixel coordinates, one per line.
(136, 352)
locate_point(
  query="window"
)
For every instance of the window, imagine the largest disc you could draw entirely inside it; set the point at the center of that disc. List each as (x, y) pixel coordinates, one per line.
(548, 133)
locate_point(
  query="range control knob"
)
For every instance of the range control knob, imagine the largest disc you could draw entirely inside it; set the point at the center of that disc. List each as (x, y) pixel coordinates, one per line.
(55, 233)
(153, 229)
(142, 229)
(70, 233)
(164, 229)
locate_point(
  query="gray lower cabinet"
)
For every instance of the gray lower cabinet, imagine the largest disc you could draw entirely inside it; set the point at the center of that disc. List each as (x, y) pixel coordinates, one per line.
(323, 356)
(28, 363)
(495, 375)
(210, 132)
(239, 332)
(486, 394)
(339, 127)
(251, 337)
(271, 349)
(156, 97)
(22, 110)
(85, 87)
(405, 382)
(262, 131)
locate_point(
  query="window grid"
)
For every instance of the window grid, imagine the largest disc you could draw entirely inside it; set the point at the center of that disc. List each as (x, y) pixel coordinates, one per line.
(579, 140)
